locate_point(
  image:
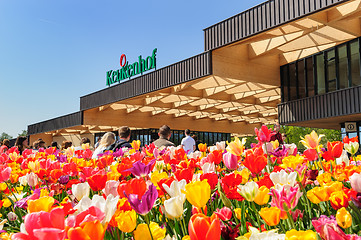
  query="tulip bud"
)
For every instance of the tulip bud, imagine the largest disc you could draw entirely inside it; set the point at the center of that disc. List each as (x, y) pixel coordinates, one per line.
(12, 216)
(249, 191)
(355, 180)
(80, 190)
(262, 197)
(343, 218)
(33, 179)
(230, 160)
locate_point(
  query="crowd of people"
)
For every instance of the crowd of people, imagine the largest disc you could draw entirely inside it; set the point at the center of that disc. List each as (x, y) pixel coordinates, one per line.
(109, 141)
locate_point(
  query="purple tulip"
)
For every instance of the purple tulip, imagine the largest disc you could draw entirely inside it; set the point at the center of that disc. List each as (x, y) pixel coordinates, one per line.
(230, 160)
(140, 169)
(357, 200)
(144, 205)
(64, 179)
(62, 158)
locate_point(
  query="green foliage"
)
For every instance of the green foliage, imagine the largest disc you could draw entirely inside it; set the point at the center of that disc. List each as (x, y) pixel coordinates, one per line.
(24, 133)
(294, 135)
(5, 136)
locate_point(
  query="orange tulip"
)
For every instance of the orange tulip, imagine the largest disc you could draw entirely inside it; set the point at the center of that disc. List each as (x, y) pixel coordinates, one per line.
(89, 230)
(202, 147)
(271, 216)
(202, 227)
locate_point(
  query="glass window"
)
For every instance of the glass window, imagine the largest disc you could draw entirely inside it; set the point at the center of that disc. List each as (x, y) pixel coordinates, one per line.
(331, 70)
(353, 134)
(355, 64)
(342, 66)
(293, 81)
(301, 79)
(320, 71)
(310, 82)
(285, 81)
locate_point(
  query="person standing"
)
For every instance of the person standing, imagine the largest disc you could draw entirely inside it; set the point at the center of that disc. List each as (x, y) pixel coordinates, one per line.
(5, 146)
(164, 136)
(21, 143)
(276, 134)
(124, 137)
(188, 143)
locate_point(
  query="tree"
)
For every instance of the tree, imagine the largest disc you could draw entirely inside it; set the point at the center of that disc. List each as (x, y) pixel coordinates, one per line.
(294, 135)
(5, 136)
(23, 133)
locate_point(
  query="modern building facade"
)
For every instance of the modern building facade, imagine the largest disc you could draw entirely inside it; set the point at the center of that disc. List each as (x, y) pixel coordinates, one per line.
(292, 61)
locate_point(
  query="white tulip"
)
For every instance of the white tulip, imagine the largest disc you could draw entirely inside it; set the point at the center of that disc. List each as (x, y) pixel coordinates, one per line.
(283, 178)
(176, 188)
(249, 191)
(80, 190)
(174, 207)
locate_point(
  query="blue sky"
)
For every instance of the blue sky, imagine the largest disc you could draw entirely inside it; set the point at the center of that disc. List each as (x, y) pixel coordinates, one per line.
(54, 52)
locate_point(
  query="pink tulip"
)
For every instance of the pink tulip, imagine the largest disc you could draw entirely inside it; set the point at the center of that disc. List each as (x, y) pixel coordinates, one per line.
(355, 180)
(285, 199)
(32, 179)
(264, 134)
(43, 225)
(111, 187)
(327, 228)
(5, 173)
(224, 213)
(230, 160)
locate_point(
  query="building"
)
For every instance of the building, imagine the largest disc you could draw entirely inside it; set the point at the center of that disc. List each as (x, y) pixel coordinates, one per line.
(295, 61)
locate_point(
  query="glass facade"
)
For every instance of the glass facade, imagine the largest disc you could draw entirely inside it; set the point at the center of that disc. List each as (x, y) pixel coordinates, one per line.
(147, 136)
(333, 69)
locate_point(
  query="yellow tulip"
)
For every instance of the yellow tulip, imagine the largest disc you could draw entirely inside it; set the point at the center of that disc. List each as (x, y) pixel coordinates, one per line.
(324, 178)
(135, 144)
(292, 161)
(198, 193)
(275, 144)
(6, 203)
(293, 234)
(245, 173)
(271, 215)
(126, 220)
(343, 218)
(236, 147)
(156, 177)
(238, 213)
(317, 195)
(186, 237)
(41, 204)
(142, 232)
(262, 197)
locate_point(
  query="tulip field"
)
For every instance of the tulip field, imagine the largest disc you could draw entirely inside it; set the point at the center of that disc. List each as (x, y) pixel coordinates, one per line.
(226, 191)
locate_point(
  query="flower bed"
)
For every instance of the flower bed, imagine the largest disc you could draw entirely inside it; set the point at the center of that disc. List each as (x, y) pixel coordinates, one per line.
(223, 192)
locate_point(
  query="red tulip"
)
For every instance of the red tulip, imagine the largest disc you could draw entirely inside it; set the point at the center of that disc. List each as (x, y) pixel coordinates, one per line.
(135, 186)
(202, 227)
(215, 157)
(311, 154)
(334, 150)
(97, 182)
(255, 160)
(212, 179)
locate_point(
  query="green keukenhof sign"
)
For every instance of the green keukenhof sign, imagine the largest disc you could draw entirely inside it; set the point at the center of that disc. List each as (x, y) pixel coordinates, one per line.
(129, 70)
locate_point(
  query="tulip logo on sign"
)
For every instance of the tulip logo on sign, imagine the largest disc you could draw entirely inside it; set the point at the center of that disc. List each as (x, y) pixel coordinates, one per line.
(129, 70)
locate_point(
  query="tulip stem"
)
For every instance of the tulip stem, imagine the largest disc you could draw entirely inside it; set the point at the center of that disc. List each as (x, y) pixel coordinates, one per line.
(147, 221)
(291, 220)
(11, 190)
(257, 215)
(184, 226)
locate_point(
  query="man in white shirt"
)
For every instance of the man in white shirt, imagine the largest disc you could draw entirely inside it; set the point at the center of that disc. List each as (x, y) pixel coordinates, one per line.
(188, 143)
